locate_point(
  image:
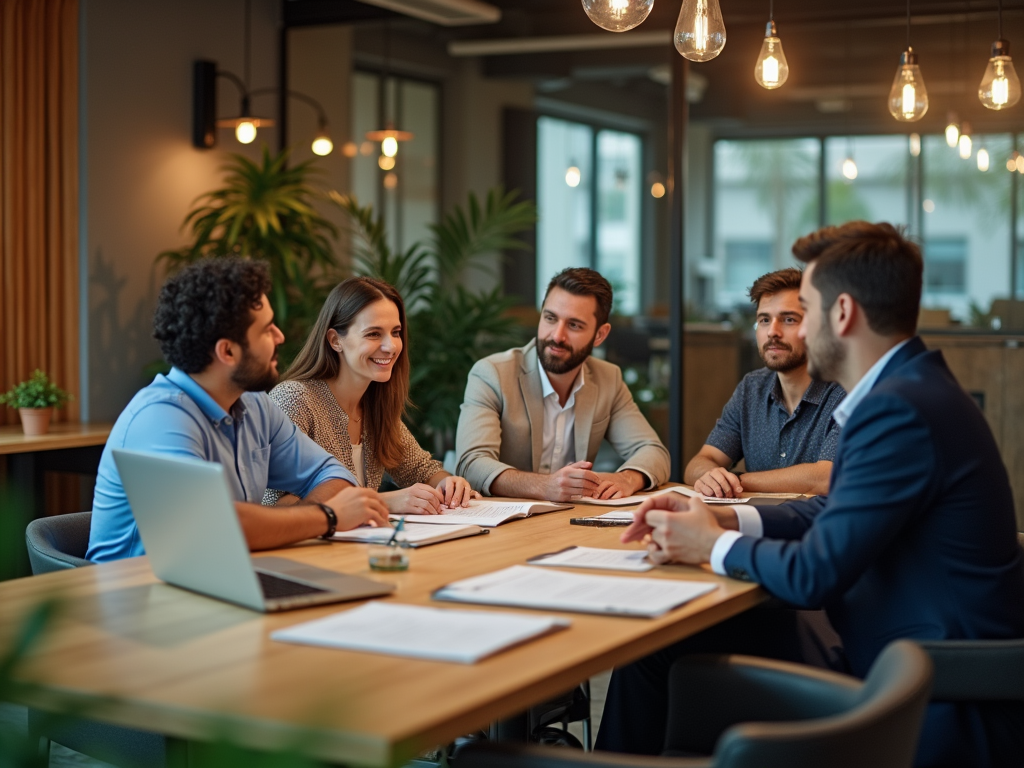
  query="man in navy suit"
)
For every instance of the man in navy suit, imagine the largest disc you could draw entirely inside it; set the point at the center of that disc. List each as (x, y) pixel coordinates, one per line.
(916, 538)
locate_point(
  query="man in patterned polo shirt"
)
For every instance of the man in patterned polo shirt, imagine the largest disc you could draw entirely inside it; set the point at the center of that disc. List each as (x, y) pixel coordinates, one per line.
(778, 420)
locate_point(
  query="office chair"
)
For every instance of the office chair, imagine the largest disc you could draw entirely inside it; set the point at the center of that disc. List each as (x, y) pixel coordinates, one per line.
(769, 714)
(57, 543)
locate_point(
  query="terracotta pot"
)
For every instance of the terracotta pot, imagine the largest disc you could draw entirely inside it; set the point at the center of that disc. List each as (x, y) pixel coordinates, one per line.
(35, 421)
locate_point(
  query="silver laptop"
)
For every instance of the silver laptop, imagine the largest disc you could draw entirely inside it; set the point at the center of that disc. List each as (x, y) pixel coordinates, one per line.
(192, 536)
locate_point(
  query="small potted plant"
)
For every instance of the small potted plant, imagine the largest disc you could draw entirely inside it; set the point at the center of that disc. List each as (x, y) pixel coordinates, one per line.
(35, 400)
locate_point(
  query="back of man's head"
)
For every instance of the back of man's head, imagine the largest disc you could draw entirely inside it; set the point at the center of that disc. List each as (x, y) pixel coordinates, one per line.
(874, 263)
(581, 281)
(209, 300)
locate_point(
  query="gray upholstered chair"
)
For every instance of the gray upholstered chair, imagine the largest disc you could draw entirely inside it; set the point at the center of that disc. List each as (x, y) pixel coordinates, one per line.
(755, 712)
(57, 543)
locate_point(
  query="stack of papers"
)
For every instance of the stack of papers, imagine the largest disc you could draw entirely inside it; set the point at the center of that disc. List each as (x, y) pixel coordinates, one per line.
(413, 534)
(420, 632)
(525, 587)
(487, 513)
(628, 501)
(588, 557)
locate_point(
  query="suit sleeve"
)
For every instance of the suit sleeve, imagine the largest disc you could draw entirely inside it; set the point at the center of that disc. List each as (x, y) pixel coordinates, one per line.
(478, 436)
(633, 438)
(885, 481)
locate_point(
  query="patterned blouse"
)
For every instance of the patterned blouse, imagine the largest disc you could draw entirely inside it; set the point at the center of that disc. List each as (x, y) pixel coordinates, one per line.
(313, 408)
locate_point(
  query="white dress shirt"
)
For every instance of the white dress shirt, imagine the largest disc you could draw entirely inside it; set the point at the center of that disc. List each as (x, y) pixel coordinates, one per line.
(749, 520)
(559, 439)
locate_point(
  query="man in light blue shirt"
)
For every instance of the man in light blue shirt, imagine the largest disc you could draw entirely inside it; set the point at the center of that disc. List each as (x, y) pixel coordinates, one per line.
(216, 328)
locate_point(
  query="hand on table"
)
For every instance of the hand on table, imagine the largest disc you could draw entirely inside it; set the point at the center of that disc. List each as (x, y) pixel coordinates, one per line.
(719, 482)
(571, 482)
(455, 492)
(357, 506)
(617, 485)
(677, 529)
(418, 499)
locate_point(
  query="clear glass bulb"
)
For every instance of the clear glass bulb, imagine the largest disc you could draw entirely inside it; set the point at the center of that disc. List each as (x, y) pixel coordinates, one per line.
(952, 134)
(966, 146)
(771, 69)
(389, 146)
(700, 30)
(983, 160)
(245, 132)
(617, 15)
(572, 176)
(322, 145)
(1000, 86)
(908, 98)
(915, 144)
(850, 168)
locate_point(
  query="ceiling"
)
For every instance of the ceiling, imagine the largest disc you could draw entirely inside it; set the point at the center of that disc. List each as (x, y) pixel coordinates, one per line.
(842, 58)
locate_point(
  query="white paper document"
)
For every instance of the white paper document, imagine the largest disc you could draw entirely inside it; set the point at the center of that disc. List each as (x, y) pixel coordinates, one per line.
(486, 513)
(526, 587)
(590, 557)
(629, 501)
(420, 632)
(413, 534)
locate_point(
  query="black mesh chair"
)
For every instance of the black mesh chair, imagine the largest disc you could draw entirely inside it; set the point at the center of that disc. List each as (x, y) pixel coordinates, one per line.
(751, 712)
(57, 543)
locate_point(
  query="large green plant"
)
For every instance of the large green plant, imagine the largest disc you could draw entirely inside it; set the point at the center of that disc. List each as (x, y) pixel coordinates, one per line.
(265, 210)
(450, 326)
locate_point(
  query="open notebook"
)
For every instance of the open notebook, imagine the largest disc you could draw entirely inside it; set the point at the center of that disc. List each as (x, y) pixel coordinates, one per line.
(414, 534)
(487, 513)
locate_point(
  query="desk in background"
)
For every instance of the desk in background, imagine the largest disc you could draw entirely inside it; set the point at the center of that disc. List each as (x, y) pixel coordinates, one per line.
(176, 662)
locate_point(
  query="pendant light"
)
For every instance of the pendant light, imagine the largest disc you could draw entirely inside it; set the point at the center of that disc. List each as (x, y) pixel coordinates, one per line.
(700, 30)
(1000, 86)
(908, 99)
(952, 130)
(618, 15)
(771, 69)
(915, 144)
(966, 144)
(849, 164)
(388, 137)
(983, 160)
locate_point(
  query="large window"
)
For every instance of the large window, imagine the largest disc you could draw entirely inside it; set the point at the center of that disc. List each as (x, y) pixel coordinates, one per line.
(589, 194)
(407, 193)
(769, 192)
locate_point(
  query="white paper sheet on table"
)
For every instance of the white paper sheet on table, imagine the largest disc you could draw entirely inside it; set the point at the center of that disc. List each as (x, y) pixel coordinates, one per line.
(628, 501)
(590, 557)
(527, 587)
(420, 632)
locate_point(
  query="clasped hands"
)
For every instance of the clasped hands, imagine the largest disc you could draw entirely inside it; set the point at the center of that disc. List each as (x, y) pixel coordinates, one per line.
(422, 499)
(576, 481)
(678, 529)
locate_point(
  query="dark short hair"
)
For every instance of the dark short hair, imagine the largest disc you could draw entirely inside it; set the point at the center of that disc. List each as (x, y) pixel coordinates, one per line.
(787, 279)
(209, 300)
(581, 281)
(874, 263)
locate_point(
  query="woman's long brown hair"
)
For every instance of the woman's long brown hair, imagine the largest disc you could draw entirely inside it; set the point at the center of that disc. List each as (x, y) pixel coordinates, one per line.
(384, 402)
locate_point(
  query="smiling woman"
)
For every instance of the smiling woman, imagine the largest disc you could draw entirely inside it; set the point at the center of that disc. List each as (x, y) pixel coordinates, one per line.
(348, 389)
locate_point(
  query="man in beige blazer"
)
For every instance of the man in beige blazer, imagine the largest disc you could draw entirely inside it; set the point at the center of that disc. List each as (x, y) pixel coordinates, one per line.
(534, 417)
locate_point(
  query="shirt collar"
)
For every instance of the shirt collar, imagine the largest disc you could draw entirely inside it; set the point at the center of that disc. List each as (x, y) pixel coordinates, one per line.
(845, 409)
(547, 389)
(202, 398)
(814, 393)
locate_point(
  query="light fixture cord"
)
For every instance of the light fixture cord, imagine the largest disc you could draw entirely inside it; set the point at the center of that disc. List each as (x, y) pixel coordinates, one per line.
(1000, 19)
(908, 25)
(248, 41)
(771, 10)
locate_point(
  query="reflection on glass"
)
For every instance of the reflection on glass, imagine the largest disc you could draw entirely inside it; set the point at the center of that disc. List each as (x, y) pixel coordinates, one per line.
(879, 191)
(765, 197)
(619, 197)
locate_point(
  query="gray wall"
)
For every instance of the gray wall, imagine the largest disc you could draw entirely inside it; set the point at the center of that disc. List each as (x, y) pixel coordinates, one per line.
(141, 172)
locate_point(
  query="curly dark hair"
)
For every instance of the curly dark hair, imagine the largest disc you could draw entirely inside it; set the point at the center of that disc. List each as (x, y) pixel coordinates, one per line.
(210, 300)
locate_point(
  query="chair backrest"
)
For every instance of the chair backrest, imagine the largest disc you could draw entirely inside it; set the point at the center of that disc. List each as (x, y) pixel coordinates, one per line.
(879, 730)
(58, 542)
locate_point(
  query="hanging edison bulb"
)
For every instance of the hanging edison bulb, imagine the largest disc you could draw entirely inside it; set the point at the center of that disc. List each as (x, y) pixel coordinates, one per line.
(966, 145)
(915, 144)
(908, 98)
(245, 131)
(700, 30)
(850, 168)
(983, 160)
(617, 15)
(952, 130)
(771, 69)
(1000, 86)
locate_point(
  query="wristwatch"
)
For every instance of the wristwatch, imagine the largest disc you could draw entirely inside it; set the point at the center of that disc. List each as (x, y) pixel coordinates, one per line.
(332, 520)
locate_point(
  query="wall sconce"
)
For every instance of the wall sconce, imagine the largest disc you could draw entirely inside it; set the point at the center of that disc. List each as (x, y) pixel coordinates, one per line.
(246, 124)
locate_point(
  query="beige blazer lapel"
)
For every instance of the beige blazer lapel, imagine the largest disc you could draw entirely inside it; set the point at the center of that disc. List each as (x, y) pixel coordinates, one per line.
(533, 396)
(583, 411)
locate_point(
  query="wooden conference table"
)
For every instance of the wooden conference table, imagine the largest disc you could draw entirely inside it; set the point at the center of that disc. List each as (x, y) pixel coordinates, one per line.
(144, 654)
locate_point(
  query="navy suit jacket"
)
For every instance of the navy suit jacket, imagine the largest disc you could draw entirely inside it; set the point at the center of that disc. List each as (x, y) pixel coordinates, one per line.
(916, 539)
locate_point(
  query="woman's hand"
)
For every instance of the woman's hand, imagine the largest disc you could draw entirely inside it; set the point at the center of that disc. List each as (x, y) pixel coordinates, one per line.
(418, 499)
(456, 491)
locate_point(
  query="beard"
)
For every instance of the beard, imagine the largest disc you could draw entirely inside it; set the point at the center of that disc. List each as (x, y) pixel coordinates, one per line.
(557, 366)
(786, 362)
(254, 376)
(826, 354)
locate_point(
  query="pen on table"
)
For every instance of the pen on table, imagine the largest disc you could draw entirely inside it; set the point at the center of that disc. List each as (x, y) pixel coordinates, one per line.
(398, 529)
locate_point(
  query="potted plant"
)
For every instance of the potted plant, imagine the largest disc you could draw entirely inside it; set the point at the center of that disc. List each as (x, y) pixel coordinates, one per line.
(35, 400)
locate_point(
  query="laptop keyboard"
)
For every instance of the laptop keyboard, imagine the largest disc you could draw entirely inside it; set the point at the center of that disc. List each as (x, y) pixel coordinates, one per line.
(275, 587)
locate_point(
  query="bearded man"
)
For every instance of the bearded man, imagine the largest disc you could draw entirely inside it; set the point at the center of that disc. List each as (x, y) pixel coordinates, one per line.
(778, 420)
(534, 417)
